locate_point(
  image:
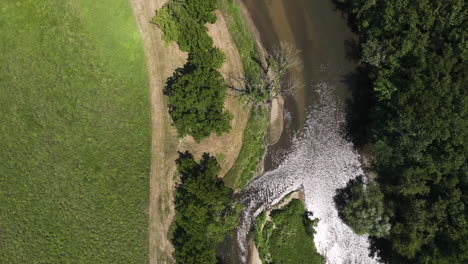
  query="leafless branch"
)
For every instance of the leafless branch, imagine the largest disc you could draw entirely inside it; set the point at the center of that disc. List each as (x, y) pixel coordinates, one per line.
(273, 82)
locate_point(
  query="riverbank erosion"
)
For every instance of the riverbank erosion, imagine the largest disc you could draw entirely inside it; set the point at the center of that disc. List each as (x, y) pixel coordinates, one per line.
(162, 60)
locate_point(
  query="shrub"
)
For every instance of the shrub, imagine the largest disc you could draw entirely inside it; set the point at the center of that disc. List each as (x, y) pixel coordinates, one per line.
(288, 237)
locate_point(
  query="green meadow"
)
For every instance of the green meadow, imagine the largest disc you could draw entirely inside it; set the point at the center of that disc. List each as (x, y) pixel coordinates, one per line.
(75, 133)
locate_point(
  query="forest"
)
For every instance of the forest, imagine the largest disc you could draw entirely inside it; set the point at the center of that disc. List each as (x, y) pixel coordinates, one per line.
(416, 53)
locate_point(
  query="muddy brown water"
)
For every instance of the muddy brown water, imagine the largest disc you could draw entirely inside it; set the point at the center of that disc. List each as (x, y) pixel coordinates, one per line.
(327, 51)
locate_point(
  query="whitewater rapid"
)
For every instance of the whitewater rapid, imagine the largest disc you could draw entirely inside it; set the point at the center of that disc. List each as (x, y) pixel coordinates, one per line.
(322, 161)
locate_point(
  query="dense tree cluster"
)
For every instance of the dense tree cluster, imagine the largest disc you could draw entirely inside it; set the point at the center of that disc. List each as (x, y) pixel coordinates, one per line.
(363, 209)
(204, 210)
(417, 55)
(203, 102)
(196, 92)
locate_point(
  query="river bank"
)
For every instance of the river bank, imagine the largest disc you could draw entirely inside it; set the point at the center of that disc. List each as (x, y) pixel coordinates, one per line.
(276, 124)
(162, 59)
(262, 119)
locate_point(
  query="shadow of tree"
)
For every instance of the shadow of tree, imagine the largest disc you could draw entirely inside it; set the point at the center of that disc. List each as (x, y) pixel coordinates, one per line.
(352, 50)
(358, 107)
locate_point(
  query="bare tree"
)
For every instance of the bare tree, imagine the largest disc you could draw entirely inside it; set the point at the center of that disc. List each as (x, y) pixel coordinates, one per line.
(273, 81)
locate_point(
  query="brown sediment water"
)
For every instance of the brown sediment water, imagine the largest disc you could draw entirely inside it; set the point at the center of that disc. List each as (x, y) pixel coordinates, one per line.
(326, 45)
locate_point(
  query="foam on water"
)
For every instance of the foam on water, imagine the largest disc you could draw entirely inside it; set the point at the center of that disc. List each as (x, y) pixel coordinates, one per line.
(322, 161)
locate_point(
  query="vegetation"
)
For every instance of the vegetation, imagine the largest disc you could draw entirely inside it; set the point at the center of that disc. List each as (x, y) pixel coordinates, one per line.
(196, 92)
(202, 91)
(75, 133)
(205, 212)
(417, 56)
(363, 209)
(288, 237)
(252, 150)
(259, 91)
(241, 37)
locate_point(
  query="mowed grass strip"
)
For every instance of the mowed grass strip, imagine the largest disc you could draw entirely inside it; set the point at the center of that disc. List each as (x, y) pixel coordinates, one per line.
(75, 133)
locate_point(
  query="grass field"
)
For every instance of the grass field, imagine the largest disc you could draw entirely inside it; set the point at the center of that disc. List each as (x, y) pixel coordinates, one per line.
(74, 133)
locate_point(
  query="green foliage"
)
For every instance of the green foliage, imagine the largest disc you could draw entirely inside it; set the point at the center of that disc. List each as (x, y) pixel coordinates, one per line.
(75, 133)
(288, 237)
(418, 61)
(205, 212)
(364, 211)
(166, 22)
(252, 150)
(196, 99)
(196, 92)
(184, 22)
(213, 58)
(241, 37)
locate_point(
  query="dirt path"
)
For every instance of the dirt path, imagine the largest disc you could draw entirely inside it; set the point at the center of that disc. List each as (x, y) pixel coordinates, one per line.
(162, 60)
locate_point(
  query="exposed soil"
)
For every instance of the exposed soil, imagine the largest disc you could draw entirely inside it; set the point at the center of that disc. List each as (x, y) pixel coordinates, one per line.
(254, 257)
(275, 128)
(162, 60)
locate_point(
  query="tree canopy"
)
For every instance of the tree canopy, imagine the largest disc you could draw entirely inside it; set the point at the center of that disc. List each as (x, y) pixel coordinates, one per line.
(363, 209)
(205, 212)
(417, 55)
(196, 92)
(202, 90)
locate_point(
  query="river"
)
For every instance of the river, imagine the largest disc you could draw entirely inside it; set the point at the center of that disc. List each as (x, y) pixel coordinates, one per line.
(325, 42)
(313, 153)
